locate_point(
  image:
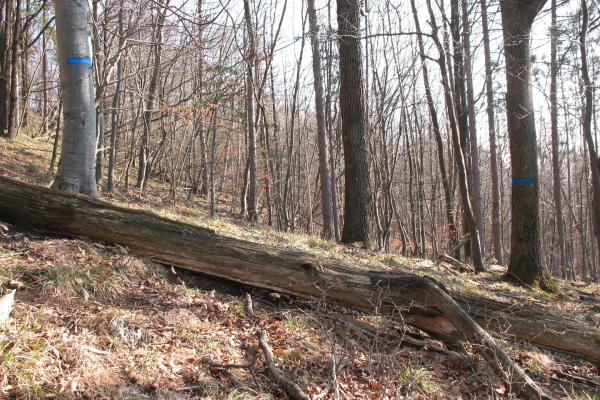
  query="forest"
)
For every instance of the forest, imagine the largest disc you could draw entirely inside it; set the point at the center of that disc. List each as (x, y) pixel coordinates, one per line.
(303, 199)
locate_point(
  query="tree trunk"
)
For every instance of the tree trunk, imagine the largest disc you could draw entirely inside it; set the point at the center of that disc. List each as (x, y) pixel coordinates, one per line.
(330, 129)
(56, 137)
(357, 196)
(199, 111)
(449, 208)
(114, 113)
(44, 62)
(489, 91)
(76, 169)
(12, 118)
(24, 38)
(473, 141)
(458, 151)
(556, 186)
(322, 139)
(5, 8)
(525, 251)
(144, 152)
(250, 61)
(587, 123)
(213, 151)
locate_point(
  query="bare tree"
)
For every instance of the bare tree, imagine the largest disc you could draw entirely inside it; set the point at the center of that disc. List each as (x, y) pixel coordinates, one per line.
(587, 125)
(525, 256)
(322, 139)
(557, 196)
(251, 161)
(357, 196)
(491, 118)
(76, 169)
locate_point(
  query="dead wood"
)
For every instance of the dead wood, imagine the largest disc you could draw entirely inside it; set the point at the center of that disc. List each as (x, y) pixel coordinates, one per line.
(454, 263)
(420, 300)
(402, 338)
(290, 388)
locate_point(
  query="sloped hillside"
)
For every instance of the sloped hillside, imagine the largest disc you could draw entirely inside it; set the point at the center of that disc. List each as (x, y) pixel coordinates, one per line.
(93, 321)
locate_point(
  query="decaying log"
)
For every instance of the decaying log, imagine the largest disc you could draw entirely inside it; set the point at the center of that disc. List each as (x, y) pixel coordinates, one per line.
(296, 273)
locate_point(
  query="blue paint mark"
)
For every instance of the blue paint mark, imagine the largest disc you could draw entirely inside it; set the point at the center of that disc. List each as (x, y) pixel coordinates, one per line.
(79, 60)
(524, 181)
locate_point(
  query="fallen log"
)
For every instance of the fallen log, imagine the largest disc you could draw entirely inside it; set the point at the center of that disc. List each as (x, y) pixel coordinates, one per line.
(296, 273)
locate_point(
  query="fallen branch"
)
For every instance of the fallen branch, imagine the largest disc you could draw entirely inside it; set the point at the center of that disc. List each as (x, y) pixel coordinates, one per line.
(215, 364)
(513, 376)
(290, 388)
(453, 262)
(362, 327)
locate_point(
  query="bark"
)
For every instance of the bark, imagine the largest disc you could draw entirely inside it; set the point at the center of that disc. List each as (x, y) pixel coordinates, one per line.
(556, 186)
(489, 91)
(357, 196)
(76, 168)
(144, 152)
(473, 141)
(4, 46)
(12, 118)
(458, 151)
(250, 62)
(423, 303)
(449, 208)
(24, 38)
(587, 124)
(213, 150)
(114, 114)
(100, 86)
(44, 61)
(330, 129)
(56, 138)
(199, 111)
(525, 258)
(322, 139)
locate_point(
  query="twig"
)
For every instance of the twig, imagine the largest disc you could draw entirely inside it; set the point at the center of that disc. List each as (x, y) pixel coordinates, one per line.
(214, 364)
(290, 388)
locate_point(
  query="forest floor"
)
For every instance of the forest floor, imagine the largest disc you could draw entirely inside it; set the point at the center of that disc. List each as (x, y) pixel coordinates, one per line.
(92, 321)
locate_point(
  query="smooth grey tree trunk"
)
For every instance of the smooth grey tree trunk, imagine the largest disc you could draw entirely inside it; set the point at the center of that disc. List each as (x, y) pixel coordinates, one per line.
(76, 168)
(322, 139)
